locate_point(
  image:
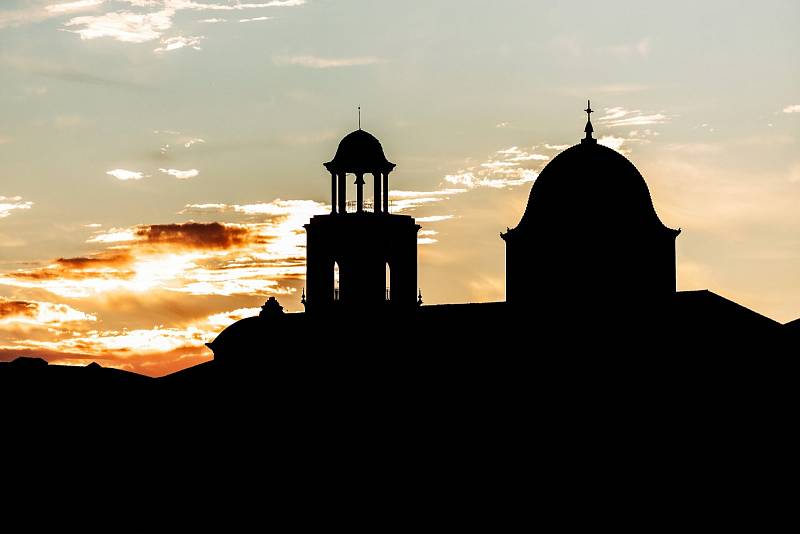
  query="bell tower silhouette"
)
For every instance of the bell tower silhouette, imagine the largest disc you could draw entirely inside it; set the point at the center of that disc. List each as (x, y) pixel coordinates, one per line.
(373, 251)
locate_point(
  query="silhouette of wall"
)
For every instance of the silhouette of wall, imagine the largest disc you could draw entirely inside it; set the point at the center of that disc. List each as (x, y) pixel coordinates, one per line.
(362, 245)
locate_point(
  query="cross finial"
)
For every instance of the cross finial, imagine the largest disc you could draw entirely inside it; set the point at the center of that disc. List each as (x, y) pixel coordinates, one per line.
(359, 117)
(588, 128)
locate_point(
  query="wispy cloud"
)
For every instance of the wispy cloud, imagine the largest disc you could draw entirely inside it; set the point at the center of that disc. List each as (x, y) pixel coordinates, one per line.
(34, 313)
(404, 201)
(37, 11)
(181, 175)
(193, 141)
(122, 174)
(176, 43)
(507, 167)
(69, 7)
(123, 26)
(618, 116)
(794, 108)
(613, 142)
(135, 26)
(238, 6)
(9, 204)
(314, 62)
(434, 218)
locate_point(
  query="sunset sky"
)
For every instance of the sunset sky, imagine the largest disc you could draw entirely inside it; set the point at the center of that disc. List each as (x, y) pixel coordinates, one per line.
(158, 158)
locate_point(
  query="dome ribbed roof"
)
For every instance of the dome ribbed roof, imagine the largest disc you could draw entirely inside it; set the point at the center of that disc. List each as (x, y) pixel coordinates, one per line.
(359, 152)
(590, 184)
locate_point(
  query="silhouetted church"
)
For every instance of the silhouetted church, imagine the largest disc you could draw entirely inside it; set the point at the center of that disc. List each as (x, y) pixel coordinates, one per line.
(590, 270)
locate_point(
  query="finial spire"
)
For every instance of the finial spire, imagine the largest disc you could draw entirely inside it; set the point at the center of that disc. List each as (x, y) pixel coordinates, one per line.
(589, 128)
(359, 117)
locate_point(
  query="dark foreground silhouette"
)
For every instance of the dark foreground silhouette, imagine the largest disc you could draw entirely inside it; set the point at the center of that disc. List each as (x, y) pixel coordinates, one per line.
(593, 335)
(492, 355)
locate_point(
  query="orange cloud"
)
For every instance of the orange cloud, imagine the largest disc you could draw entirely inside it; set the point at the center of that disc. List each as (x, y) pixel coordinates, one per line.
(195, 235)
(23, 315)
(16, 308)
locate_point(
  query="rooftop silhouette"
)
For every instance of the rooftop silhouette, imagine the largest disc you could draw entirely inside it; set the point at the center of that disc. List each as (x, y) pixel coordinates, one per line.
(590, 271)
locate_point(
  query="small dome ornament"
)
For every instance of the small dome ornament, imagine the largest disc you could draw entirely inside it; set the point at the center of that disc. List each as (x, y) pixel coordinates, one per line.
(419, 297)
(271, 309)
(589, 129)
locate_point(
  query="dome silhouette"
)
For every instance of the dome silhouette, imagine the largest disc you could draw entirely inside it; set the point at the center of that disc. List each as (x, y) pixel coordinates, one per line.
(590, 184)
(589, 235)
(359, 152)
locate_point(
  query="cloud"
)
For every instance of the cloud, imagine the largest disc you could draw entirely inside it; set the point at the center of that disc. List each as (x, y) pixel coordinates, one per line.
(613, 142)
(795, 108)
(315, 62)
(618, 116)
(219, 321)
(42, 314)
(404, 201)
(122, 174)
(74, 272)
(132, 25)
(37, 13)
(123, 26)
(262, 254)
(69, 337)
(195, 235)
(434, 218)
(508, 167)
(181, 175)
(255, 19)
(78, 5)
(294, 209)
(176, 140)
(238, 6)
(9, 204)
(193, 141)
(93, 263)
(176, 43)
(114, 235)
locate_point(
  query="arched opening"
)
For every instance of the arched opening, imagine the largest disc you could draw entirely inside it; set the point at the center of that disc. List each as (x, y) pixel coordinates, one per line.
(335, 281)
(388, 295)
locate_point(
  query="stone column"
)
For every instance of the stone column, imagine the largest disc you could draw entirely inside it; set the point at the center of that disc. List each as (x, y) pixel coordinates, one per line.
(386, 192)
(342, 193)
(359, 193)
(333, 192)
(378, 197)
